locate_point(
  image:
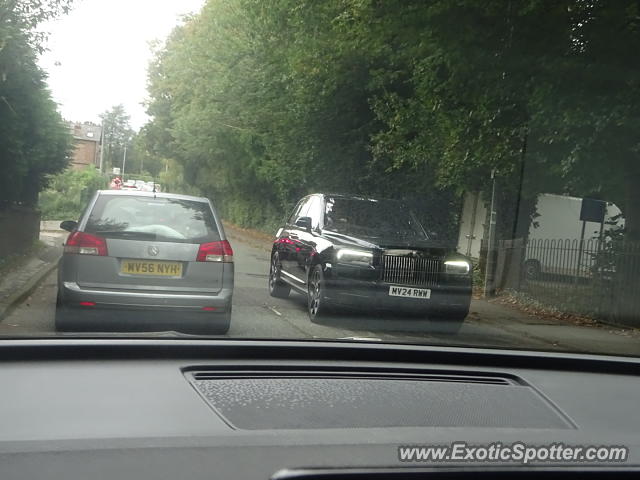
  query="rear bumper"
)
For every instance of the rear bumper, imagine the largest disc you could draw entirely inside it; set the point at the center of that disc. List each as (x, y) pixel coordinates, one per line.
(132, 311)
(72, 294)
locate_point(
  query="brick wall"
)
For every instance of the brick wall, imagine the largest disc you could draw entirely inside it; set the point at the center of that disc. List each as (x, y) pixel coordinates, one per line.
(84, 154)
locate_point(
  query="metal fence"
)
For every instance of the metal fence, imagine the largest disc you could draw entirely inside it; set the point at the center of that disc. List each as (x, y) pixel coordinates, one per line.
(598, 279)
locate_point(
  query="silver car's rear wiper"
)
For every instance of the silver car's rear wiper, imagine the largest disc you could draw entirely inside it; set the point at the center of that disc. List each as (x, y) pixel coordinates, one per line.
(127, 234)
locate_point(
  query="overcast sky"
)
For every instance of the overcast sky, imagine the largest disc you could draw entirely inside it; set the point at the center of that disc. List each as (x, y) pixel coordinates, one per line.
(99, 54)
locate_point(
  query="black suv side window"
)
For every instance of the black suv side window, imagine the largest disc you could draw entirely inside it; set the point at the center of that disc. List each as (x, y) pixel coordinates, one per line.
(298, 211)
(315, 212)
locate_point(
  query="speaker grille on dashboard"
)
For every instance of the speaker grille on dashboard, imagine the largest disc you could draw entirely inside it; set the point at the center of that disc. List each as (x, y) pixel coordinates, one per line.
(297, 400)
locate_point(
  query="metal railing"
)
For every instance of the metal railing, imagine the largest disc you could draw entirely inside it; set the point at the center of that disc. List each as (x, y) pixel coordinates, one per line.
(593, 278)
(561, 258)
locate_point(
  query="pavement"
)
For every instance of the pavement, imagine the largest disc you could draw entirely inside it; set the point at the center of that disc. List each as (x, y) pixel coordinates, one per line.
(21, 279)
(257, 315)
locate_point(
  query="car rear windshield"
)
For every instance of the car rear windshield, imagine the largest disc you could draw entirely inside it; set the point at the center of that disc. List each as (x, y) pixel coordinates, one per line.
(156, 219)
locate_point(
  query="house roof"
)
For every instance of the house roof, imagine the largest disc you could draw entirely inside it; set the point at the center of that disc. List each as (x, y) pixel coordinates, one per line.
(86, 131)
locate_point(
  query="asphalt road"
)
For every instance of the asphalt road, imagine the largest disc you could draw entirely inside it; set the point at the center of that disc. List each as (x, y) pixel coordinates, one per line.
(258, 315)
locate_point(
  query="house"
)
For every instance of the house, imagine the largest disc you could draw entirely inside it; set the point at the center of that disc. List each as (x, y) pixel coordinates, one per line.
(87, 138)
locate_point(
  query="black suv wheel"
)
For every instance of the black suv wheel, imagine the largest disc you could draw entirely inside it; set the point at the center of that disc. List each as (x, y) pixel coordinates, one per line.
(317, 304)
(277, 288)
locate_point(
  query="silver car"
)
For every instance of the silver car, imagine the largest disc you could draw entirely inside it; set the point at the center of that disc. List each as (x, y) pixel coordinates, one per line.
(145, 261)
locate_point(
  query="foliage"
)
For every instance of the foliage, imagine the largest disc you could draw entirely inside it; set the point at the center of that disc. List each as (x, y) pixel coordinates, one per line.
(141, 160)
(69, 193)
(172, 180)
(26, 15)
(117, 134)
(34, 141)
(263, 101)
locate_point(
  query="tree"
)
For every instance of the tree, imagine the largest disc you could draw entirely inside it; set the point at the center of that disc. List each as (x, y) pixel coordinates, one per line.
(34, 140)
(242, 96)
(403, 98)
(116, 135)
(543, 92)
(140, 158)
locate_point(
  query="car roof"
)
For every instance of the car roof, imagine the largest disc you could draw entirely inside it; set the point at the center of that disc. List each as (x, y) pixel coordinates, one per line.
(138, 193)
(349, 196)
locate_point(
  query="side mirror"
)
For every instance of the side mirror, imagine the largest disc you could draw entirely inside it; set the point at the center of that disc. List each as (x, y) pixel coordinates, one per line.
(69, 225)
(304, 223)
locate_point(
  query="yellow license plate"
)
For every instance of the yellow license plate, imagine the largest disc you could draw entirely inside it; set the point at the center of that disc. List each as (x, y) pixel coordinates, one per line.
(162, 269)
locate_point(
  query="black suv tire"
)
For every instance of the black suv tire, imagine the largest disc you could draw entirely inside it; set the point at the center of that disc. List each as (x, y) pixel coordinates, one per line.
(277, 288)
(317, 303)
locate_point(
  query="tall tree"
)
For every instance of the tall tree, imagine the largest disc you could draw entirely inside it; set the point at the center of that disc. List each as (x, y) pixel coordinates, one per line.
(117, 135)
(34, 140)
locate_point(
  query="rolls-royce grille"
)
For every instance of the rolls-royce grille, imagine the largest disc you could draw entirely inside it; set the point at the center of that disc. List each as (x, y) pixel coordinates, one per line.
(404, 270)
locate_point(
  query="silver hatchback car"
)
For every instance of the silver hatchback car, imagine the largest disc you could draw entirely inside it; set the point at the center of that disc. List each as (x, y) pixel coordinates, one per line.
(145, 261)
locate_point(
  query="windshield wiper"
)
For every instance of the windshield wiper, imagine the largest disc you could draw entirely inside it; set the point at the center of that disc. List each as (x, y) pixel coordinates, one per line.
(127, 234)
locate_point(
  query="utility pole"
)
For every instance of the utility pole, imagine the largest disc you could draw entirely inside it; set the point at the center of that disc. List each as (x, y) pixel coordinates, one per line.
(489, 271)
(124, 160)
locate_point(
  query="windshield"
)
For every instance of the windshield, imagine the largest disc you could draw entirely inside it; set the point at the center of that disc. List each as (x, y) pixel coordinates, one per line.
(408, 171)
(372, 218)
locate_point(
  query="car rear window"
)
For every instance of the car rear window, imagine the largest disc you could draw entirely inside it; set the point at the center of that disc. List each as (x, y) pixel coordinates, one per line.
(157, 219)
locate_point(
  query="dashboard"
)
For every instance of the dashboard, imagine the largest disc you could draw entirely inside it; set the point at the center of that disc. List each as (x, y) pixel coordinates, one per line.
(241, 409)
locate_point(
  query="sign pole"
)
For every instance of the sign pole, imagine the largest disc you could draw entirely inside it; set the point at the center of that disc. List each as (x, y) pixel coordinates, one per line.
(580, 249)
(489, 273)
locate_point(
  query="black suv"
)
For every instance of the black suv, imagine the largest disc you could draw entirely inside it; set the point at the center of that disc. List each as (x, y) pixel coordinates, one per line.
(356, 251)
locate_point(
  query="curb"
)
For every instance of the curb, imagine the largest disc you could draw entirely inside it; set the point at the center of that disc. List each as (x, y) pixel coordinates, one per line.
(11, 302)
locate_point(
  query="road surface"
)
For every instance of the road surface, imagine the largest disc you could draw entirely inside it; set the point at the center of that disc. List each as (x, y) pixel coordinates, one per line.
(258, 315)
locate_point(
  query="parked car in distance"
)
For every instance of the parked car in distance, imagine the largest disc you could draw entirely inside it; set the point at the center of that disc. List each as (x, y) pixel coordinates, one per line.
(129, 185)
(357, 251)
(138, 260)
(146, 187)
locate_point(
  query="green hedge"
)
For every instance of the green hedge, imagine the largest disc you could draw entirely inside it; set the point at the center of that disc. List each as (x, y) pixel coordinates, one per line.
(69, 192)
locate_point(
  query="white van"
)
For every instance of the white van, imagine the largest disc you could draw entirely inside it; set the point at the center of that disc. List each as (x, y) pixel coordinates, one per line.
(556, 244)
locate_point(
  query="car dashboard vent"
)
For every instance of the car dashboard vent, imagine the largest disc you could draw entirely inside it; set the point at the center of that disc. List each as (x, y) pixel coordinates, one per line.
(199, 376)
(303, 399)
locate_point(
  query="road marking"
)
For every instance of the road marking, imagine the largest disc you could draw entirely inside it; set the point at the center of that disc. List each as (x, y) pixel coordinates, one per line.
(268, 307)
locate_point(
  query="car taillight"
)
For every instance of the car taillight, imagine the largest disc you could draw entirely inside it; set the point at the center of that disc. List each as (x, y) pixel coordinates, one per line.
(85, 244)
(215, 252)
